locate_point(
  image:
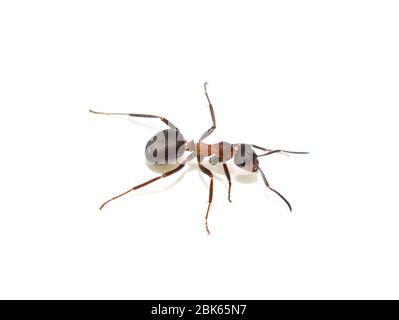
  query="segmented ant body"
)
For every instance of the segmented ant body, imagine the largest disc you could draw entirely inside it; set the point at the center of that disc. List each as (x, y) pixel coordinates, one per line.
(169, 147)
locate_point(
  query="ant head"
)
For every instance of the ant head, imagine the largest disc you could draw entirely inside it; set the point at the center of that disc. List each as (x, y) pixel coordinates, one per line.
(246, 158)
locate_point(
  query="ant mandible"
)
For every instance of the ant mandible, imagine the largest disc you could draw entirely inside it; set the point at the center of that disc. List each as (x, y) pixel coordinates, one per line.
(169, 146)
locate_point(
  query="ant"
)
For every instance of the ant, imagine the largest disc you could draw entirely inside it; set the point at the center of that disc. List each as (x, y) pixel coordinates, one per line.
(169, 146)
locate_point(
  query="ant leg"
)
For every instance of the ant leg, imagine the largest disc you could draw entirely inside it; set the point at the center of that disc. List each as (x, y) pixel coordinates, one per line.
(210, 175)
(270, 151)
(275, 191)
(227, 173)
(164, 175)
(138, 115)
(260, 148)
(211, 129)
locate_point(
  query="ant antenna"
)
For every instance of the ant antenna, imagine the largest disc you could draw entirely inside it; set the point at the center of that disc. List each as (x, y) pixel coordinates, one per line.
(284, 152)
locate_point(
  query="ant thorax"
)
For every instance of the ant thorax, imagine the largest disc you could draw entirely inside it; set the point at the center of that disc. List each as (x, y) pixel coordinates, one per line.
(220, 152)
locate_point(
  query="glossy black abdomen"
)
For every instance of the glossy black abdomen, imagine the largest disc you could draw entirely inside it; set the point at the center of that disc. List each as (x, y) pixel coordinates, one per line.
(166, 147)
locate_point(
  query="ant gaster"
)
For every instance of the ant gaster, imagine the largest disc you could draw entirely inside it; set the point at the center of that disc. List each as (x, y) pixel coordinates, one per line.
(169, 146)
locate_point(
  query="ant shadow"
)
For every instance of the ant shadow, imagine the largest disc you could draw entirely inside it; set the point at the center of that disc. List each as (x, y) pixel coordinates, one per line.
(143, 124)
(160, 169)
(218, 171)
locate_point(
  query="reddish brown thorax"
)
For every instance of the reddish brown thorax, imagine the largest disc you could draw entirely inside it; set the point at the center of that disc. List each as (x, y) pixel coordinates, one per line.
(222, 151)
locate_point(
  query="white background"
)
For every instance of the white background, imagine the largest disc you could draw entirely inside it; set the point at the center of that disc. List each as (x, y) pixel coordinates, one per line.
(318, 76)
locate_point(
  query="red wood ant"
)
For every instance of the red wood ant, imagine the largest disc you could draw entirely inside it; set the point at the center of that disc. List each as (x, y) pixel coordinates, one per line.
(169, 146)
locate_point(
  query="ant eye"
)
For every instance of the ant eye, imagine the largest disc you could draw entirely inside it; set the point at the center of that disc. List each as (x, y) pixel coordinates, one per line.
(242, 163)
(155, 153)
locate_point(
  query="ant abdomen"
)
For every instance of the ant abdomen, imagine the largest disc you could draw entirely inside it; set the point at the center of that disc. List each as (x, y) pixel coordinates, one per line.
(166, 147)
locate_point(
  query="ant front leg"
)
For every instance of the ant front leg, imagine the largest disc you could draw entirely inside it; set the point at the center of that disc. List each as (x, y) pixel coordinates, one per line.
(223, 152)
(211, 129)
(214, 161)
(275, 191)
